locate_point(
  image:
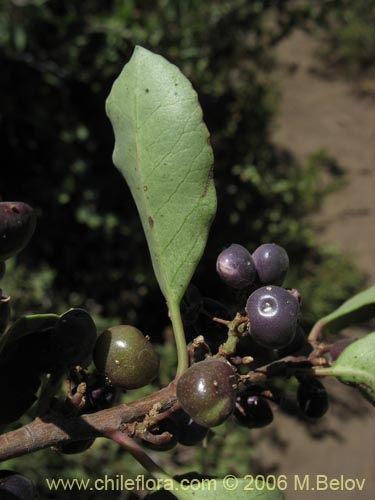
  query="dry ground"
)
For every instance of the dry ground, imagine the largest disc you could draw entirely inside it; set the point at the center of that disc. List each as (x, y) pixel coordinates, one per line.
(316, 113)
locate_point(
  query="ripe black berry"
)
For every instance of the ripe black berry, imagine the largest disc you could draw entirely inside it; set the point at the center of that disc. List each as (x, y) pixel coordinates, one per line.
(126, 357)
(253, 411)
(235, 266)
(190, 433)
(272, 313)
(205, 392)
(2, 269)
(298, 345)
(14, 486)
(312, 398)
(271, 263)
(17, 224)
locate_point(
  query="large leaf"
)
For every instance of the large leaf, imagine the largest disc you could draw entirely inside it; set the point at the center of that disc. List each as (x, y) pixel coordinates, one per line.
(27, 325)
(229, 488)
(356, 366)
(359, 308)
(162, 149)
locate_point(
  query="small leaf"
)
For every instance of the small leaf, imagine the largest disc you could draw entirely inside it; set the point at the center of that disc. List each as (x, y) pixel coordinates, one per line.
(220, 489)
(26, 325)
(162, 149)
(359, 308)
(356, 366)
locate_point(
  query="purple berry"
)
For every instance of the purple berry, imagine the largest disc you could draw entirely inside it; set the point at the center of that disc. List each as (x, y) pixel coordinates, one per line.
(252, 411)
(312, 398)
(235, 266)
(271, 263)
(272, 313)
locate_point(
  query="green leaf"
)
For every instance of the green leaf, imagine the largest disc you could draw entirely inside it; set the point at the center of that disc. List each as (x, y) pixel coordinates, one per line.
(359, 308)
(162, 149)
(221, 489)
(26, 325)
(356, 366)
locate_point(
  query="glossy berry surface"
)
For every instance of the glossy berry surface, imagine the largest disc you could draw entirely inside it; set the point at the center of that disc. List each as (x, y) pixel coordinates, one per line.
(14, 486)
(190, 433)
(253, 411)
(272, 313)
(235, 266)
(77, 446)
(338, 347)
(312, 398)
(124, 355)
(272, 264)
(17, 225)
(72, 339)
(205, 392)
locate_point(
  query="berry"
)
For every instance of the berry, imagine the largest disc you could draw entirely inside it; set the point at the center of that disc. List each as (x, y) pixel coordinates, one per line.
(77, 446)
(271, 263)
(2, 269)
(235, 266)
(126, 357)
(253, 411)
(338, 347)
(13, 486)
(205, 391)
(4, 313)
(312, 398)
(17, 225)
(298, 345)
(72, 340)
(190, 433)
(272, 313)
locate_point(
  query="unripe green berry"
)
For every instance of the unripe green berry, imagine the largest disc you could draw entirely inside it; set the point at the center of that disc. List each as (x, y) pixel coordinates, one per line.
(124, 355)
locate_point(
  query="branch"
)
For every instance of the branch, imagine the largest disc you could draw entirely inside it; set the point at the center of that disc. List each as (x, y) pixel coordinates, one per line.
(55, 429)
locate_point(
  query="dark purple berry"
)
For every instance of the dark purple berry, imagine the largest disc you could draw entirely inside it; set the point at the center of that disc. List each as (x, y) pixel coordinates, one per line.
(190, 433)
(235, 266)
(253, 411)
(17, 225)
(2, 269)
(338, 347)
(205, 391)
(298, 345)
(312, 398)
(77, 446)
(272, 313)
(14, 486)
(271, 263)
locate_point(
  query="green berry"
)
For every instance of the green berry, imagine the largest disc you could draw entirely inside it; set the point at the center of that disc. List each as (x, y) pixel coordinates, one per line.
(124, 355)
(206, 391)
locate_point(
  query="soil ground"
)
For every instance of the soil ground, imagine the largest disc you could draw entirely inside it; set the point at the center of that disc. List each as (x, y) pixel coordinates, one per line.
(319, 112)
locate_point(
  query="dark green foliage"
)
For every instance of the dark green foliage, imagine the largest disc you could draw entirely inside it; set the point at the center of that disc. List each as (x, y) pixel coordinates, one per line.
(205, 392)
(126, 357)
(59, 142)
(72, 340)
(2, 269)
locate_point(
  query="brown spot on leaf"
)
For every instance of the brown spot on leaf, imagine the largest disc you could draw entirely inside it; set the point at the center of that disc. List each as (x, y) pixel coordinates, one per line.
(207, 185)
(145, 188)
(151, 221)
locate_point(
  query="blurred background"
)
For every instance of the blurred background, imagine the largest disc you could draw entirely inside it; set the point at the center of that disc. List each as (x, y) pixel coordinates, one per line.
(287, 90)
